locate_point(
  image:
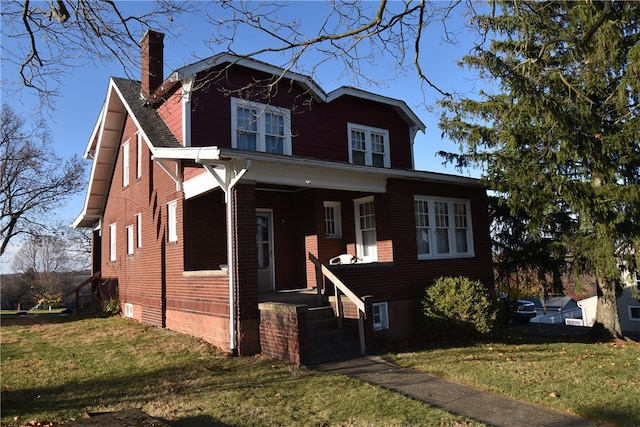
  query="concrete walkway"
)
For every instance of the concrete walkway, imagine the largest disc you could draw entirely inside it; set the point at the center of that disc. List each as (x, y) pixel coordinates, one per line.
(486, 407)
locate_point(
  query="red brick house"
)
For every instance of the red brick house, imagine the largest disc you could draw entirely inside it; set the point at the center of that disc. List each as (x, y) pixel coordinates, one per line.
(232, 179)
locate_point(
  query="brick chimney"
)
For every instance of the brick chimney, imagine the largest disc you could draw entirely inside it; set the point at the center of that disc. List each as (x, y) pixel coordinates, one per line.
(151, 50)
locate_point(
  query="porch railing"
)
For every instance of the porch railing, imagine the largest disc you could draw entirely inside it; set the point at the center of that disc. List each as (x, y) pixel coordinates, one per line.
(360, 303)
(77, 289)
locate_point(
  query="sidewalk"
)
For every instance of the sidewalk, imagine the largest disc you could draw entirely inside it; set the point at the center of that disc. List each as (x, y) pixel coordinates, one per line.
(486, 407)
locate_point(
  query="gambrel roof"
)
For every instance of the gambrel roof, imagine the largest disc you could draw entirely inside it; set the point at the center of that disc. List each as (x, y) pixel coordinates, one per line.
(304, 81)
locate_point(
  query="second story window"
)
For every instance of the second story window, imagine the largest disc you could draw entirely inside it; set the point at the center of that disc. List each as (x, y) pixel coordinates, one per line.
(138, 155)
(260, 127)
(125, 164)
(368, 146)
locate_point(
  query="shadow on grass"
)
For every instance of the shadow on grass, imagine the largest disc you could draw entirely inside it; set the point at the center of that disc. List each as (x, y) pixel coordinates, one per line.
(164, 389)
(43, 318)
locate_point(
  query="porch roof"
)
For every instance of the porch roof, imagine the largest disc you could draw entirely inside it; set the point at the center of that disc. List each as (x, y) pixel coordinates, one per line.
(294, 171)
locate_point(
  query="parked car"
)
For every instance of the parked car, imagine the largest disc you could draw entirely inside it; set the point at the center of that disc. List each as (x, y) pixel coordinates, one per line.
(520, 311)
(524, 311)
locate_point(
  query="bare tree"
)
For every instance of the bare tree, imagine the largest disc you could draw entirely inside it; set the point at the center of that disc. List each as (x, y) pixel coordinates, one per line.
(33, 180)
(41, 259)
(354, 34)
(47, 39)
(42, 254)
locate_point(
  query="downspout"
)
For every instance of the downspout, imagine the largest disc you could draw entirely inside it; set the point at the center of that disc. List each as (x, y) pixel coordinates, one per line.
(231, 223)
(227, 185)
(187, 88)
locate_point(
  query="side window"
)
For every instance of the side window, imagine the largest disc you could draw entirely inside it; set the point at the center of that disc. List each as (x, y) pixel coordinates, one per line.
(260, 127)
(138, 155)
(130, 243)
(112, 242)
(125, 164)
(139, 230)
(332, 220)
(368, 146)
(172, 220)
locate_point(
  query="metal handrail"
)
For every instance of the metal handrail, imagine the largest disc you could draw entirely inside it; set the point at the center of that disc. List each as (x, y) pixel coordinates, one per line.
(339, 286)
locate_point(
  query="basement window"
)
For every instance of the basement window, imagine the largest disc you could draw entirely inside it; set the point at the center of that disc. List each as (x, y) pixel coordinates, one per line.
(380, 316)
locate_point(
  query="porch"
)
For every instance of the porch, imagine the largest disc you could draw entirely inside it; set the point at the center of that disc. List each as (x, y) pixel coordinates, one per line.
(306, 326)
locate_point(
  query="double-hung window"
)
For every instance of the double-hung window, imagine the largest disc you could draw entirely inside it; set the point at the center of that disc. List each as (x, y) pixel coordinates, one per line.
(443, 227)
(130, 242)
(332, 220)
(112, 242)
(125, 164)
(368, 146)
(138, 155)
(172, 221)
(260, 127)
(139, 230)
(366, 237)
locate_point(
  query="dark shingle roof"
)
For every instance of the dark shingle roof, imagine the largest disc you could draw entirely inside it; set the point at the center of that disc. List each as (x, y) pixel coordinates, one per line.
(150, 121)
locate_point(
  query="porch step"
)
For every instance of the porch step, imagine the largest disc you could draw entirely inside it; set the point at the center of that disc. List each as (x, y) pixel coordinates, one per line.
(326, 341)
(314, 313)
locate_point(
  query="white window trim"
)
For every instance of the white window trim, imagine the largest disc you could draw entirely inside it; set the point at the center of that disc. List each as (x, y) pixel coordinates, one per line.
(130, 242)
(359, 240)
(383, 313)
(262, 108)
(138, 155)
(337, 219)
(139, 230)
(368, 146)
(631, 317)
(113, 242)
(172, 220)
(126, 164)
(433, 254)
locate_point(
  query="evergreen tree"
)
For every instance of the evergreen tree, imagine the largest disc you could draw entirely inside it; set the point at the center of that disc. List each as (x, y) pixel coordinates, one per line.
(559, 133)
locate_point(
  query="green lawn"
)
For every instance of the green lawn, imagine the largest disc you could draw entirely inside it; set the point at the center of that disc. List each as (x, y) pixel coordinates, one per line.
(593, 379)
(57, 368)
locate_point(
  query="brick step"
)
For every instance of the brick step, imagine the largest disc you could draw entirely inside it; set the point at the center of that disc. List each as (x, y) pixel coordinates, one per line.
(334, 352)
(327, 342)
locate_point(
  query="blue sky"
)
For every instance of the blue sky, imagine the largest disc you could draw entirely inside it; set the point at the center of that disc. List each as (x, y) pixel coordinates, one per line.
(84, 88)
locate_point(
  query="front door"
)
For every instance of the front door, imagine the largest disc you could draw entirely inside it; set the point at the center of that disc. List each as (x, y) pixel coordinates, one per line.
(264, 240)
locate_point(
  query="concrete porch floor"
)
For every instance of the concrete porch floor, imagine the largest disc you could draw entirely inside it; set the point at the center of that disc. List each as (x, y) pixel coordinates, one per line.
(303, 296)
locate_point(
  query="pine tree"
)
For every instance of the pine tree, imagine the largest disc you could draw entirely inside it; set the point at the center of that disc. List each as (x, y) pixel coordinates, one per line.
(559, 133)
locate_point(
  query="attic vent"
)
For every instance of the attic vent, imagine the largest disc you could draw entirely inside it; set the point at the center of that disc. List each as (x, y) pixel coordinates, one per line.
(128, 310)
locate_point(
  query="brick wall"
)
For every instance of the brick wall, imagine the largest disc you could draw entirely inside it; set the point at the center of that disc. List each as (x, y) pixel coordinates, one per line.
(283, 331)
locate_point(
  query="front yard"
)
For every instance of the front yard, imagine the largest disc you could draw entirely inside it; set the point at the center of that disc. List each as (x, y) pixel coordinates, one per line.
(568, 372)
(56, 370)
